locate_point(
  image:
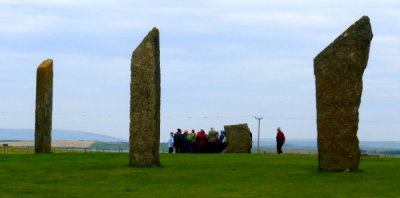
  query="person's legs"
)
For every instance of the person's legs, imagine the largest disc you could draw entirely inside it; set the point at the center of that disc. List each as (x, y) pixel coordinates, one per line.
(170, 149)
(279, 148)
(192, 148)
(214, 150)
(222, 147)
(198, 149)
(202, 149)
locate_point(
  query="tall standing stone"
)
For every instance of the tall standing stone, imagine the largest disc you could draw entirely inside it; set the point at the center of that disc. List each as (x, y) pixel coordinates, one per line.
(239, 138)
(338, 71)
(44, 107)
(145, 102)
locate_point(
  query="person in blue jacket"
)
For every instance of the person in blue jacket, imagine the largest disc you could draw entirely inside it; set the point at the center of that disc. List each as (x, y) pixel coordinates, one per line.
(171, 142)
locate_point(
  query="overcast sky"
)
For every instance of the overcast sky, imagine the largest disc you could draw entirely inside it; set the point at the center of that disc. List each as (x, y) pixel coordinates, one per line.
(222, 62)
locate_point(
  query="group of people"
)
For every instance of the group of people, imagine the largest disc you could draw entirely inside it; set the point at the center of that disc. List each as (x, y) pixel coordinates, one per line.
(200, 142)
(212, 142)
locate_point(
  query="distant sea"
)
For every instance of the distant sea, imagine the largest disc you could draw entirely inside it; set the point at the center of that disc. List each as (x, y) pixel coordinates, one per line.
(312, 144)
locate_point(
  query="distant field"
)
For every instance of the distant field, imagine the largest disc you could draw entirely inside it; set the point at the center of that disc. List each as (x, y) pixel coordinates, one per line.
(199, 175)
(74, 144)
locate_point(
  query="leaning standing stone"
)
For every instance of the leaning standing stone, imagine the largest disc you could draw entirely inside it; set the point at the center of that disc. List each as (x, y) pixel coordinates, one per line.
(44, 107)
(338, 71)
(239, 138)
(145, 102)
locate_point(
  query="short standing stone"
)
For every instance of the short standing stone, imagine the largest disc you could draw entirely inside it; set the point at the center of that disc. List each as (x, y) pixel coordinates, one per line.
(44, 107)
(338, 73)
(145, 102)
(239, 138)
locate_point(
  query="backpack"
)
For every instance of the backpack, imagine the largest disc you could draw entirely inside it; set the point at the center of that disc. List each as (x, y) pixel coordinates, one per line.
(189, 137)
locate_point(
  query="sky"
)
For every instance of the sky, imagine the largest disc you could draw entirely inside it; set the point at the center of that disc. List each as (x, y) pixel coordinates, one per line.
(222, 62)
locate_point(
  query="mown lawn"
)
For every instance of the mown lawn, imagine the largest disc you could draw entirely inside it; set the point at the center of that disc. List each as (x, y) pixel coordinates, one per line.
(184, 175)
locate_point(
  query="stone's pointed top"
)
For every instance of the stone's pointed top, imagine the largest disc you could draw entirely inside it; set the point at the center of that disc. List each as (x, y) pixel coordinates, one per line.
(46, 63)
(361, 23)
(358, 35)
(364, 18)
(155, 30)
(150, 42)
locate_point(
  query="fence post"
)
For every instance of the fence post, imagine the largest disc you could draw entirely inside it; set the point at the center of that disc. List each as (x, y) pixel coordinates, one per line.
(5, 148)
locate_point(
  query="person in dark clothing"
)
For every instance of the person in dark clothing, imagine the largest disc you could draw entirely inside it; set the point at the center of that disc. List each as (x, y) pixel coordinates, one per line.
(280, 140)
(178, 141)
(185, 142)
(251, 141)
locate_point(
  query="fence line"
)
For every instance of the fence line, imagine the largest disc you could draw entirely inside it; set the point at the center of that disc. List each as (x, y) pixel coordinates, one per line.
(30, 150)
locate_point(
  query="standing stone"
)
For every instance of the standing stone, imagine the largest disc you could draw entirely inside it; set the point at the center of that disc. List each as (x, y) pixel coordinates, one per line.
(239, 138)
(44, 107)
(338, 71)
(145, 102)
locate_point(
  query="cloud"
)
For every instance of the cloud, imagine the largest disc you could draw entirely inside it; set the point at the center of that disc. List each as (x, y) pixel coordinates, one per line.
(57, 3)
(279, 19)
(273, 69)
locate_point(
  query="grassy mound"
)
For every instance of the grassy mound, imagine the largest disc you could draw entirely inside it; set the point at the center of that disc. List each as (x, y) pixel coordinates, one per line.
(184, 175)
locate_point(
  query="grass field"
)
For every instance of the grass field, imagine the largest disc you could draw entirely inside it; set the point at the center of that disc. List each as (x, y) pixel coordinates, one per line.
(183, 175)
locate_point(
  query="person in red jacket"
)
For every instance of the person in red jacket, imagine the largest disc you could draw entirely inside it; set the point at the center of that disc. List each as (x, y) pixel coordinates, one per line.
(280, 140)
(201, 141)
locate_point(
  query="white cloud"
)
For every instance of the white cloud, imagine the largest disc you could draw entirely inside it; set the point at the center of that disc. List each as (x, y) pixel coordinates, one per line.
(279, 19)
(273, 69)
(57, 2)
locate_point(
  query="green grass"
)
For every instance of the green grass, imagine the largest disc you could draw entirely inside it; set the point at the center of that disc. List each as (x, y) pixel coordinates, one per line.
(184, 175)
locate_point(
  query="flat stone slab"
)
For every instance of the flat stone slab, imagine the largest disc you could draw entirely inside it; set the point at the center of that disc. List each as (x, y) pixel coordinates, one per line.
(239, 138)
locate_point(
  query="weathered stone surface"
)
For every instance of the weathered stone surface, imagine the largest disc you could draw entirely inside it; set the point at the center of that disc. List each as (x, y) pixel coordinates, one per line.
(145, 102)
(239, 138)
(338, 71)
(44, 107)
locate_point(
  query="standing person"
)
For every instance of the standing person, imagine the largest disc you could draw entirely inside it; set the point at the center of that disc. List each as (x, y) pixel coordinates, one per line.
(171, 142)
(222, 140)
(192, 146)
(188, 140)
(212, 140)
(178, 141)
(251, 141)
(185, 142)
(201, 141)
(280, 140)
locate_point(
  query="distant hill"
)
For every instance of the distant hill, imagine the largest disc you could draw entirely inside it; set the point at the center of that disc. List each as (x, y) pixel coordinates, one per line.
(57, 134)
